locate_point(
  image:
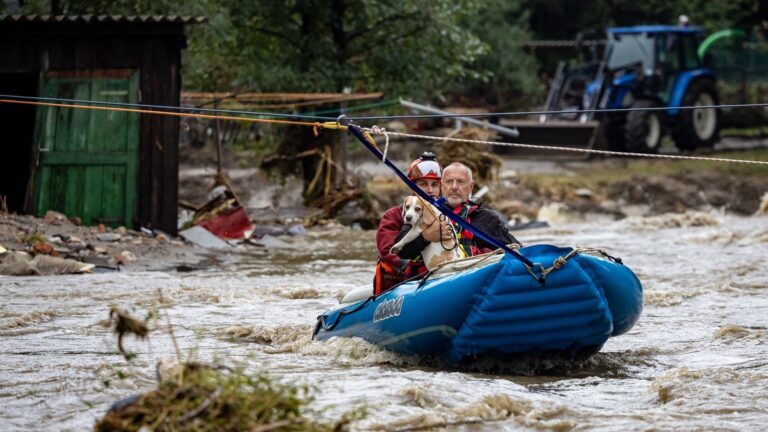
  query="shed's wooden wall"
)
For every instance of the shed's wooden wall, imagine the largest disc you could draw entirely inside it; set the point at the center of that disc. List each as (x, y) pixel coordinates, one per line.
(152, 48)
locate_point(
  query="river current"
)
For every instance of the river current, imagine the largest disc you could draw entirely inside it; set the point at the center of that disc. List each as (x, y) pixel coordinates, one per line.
(696, 360)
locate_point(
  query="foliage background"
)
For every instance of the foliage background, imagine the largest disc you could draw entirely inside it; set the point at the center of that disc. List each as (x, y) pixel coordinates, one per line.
(422, 49)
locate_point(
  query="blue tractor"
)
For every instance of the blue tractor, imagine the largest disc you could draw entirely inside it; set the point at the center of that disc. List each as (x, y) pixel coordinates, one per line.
(644, 67)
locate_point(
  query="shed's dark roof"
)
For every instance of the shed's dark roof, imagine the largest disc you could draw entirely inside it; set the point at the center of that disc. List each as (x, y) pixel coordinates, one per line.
(103, 18)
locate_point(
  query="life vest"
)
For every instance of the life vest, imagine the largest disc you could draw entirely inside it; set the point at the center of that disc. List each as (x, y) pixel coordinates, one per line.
(466, 239)
(386, 277)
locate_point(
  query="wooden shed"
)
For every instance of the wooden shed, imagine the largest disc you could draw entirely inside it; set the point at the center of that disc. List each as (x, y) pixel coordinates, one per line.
(111, 167)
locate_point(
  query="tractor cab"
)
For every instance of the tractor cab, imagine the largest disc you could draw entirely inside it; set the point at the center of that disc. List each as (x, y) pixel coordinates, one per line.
(648, 60)
(643, 67)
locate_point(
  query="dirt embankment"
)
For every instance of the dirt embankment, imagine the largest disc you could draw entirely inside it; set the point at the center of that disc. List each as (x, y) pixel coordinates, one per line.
(638, 195)
(618, 187)
(615, 187)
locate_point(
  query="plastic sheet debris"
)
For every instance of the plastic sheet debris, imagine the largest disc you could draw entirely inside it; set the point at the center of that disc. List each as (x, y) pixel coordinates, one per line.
(185, 217)
(278, 230)
(200, 236)
(108, 237)
(55, 218)
(23, 264)
(273, 243)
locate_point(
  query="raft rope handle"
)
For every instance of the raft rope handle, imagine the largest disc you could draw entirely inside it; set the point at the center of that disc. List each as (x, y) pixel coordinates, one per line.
(596, 251)
(473, 262)
(559, 262)
(363, 135)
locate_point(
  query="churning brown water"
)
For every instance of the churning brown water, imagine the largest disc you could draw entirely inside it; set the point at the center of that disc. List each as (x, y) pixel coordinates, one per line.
(697, 360)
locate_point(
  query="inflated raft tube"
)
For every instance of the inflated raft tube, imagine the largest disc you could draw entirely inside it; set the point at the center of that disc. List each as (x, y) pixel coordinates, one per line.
(493, 304)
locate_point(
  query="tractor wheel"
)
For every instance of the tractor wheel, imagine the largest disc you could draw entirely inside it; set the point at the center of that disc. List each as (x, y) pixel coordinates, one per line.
(698, 127)
(644, 128)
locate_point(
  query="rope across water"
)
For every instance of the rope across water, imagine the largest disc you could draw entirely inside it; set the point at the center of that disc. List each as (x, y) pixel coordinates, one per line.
(326, 125)
(246, 116)
(567, 149)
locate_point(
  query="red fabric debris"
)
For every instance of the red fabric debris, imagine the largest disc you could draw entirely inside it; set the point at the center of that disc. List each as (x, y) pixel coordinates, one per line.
(229, 225)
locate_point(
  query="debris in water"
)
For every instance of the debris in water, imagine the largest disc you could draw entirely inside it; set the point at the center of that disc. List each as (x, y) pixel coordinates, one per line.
(126, 324)
(218, 398)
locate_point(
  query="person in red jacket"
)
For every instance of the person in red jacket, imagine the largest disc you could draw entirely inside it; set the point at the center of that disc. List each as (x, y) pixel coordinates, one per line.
(456, 185)
(426, 173)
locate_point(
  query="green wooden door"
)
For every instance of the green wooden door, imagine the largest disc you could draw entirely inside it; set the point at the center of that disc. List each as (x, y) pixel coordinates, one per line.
(87, 159)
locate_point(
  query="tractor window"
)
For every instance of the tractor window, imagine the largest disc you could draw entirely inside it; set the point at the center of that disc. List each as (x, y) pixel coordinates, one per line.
(668, 52)
(690, 55)
(628, 49)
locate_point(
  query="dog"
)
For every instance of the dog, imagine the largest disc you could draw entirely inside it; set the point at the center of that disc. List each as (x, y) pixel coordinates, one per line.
(420, 214)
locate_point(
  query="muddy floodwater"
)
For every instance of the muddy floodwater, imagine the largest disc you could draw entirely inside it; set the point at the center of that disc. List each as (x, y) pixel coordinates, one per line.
(696, 360)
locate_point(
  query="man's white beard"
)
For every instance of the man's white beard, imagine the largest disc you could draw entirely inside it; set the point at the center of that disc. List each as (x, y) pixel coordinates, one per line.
(453, 202)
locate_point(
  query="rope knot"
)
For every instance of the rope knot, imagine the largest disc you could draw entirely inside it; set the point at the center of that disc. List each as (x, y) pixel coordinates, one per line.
(378, 130)
(382, 131)
(559, 262)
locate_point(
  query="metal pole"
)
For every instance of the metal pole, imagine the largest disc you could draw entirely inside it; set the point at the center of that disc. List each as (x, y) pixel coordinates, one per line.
(342, 178)
(217, 137)
(511, 132)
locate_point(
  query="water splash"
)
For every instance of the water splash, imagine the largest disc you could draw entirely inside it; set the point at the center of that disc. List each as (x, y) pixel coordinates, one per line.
(674, 220)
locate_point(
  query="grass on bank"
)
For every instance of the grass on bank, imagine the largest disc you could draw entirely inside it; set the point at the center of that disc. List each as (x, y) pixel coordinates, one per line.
(614, 171)
(752, 132)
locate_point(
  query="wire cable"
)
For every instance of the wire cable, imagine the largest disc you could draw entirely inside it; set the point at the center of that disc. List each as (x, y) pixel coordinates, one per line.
(168, 108)
(379, 131)
(382, 117)
(573, 112)
(316, 125)
(174, 111)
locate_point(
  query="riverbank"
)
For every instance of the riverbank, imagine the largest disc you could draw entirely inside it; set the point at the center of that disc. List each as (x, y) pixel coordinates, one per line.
(527, 190)
(630, 187)
(99, 248)
(523, 191)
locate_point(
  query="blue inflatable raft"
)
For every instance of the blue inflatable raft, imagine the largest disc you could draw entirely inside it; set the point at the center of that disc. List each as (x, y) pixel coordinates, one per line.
(493, 305)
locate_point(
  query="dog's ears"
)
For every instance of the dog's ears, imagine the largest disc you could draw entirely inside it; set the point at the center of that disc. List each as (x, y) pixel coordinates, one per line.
(427, 214)
(402, 207)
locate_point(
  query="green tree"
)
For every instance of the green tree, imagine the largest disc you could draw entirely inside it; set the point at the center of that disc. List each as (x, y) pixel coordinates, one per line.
(508, 73)
(406, 47)
(555, 19)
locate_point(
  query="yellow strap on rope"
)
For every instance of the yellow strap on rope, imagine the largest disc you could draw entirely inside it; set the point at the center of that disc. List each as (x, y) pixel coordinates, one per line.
(315, 125)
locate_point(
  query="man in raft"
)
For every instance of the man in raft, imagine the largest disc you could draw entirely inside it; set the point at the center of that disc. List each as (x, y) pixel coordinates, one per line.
(457, 184)
(391, 269)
